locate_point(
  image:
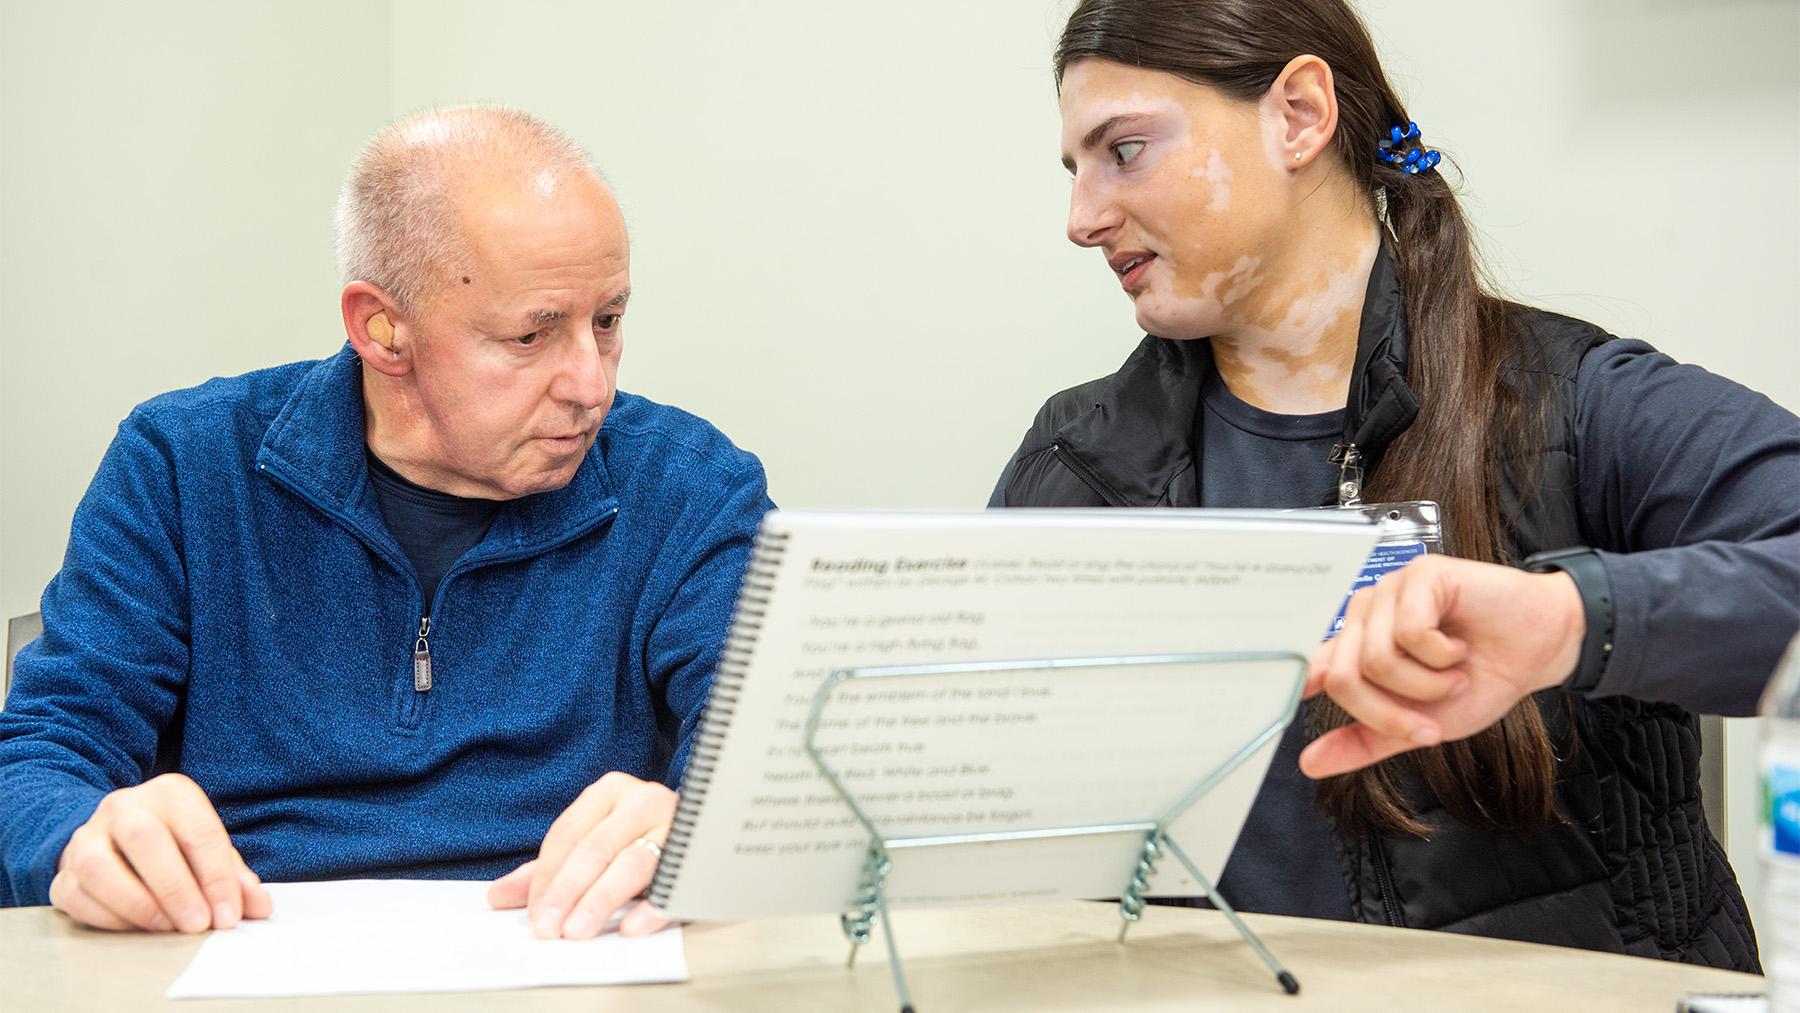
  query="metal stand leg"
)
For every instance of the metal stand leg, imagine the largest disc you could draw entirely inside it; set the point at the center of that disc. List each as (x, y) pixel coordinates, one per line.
(871, 902)
(893, 948)
(1289, 983)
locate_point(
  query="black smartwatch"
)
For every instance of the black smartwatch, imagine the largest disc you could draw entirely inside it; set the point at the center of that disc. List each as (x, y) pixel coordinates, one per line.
(1584, 567)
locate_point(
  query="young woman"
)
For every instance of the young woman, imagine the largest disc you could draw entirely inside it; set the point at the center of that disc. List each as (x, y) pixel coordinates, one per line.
(1502, 752)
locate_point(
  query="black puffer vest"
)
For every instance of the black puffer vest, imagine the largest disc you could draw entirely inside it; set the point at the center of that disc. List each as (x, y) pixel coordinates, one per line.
(1633, 869)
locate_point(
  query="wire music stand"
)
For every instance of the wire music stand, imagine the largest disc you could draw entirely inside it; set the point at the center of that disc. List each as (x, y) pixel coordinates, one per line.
(871, 894)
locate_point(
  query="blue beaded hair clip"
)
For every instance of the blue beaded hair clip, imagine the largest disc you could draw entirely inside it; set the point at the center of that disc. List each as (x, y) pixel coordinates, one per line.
(1417, 160)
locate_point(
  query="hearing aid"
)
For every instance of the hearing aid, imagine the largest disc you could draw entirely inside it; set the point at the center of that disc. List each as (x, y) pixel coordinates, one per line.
(382, 331)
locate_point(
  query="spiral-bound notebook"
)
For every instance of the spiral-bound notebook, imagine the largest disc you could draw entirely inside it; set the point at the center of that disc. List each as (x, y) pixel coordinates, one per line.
(759, 833)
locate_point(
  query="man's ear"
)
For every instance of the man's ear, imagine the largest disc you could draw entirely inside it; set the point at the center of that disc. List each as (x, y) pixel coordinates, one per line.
(380, 335)
(1302, 103)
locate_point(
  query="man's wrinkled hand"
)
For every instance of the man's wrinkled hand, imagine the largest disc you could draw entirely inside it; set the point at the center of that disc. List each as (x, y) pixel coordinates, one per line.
(1439, 650)
(156, 857)
(594, 862)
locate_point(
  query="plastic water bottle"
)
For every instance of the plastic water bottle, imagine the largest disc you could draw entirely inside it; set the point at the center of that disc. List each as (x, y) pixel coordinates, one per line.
(1781, 833)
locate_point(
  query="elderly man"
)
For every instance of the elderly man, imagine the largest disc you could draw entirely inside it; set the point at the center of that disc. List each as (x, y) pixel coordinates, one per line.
(389, 613)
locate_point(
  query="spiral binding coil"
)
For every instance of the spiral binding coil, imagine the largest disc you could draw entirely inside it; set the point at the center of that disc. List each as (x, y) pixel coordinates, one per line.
(727, 688)
(1131, 902)
(857, 921)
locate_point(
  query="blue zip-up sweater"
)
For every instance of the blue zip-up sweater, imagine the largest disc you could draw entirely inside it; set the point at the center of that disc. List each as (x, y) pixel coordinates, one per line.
(233, 607)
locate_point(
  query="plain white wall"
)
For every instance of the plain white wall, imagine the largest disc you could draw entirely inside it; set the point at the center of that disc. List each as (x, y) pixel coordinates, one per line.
(167, 174)
(847, 218)
(1632, 162)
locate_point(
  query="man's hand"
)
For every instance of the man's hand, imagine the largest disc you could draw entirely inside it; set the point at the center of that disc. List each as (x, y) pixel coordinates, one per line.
(1437, 651)
(594, 861)
(156, 857)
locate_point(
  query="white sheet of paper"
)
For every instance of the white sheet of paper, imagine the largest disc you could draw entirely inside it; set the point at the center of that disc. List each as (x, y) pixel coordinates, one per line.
(368, 935)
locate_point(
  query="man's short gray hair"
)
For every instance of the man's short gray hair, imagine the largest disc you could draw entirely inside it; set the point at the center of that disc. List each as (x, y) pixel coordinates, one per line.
(396, 214)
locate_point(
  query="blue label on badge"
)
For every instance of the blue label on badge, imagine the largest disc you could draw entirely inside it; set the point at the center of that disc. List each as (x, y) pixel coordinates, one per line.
(1784, 807)
(1385, 559)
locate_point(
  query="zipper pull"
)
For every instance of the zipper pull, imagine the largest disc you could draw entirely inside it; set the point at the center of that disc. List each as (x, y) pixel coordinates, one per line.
(1350, 473)
(422, 657)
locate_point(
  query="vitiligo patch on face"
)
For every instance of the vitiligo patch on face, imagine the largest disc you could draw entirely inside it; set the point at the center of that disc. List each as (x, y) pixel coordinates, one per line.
(1219, 289)
(1217, 174)
(1240, 281)
(1082, 111)
(1202, 309)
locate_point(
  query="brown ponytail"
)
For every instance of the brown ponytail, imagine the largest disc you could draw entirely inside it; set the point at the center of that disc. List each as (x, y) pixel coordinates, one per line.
(1502, 778)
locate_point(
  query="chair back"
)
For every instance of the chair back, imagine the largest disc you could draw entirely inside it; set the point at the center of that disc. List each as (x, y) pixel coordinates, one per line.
(20, 630)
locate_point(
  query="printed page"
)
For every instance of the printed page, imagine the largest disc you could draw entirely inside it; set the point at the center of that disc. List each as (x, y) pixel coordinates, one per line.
(362, 936)
(1028, 748)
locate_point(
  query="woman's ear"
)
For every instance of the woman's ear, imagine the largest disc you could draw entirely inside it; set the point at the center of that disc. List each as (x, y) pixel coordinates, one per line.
(1302, 106)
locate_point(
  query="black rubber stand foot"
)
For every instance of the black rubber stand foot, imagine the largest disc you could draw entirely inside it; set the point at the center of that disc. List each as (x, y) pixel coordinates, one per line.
(1289, 983)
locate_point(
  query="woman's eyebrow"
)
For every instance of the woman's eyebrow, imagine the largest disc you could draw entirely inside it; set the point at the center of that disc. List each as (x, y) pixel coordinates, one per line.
(1092, 137)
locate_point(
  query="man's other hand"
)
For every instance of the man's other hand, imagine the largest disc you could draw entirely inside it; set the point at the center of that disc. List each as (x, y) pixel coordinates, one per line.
(156, 857)
(594, 861)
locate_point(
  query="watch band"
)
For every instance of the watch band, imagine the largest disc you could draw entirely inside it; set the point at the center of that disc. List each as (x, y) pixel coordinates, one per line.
(1584, 567)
